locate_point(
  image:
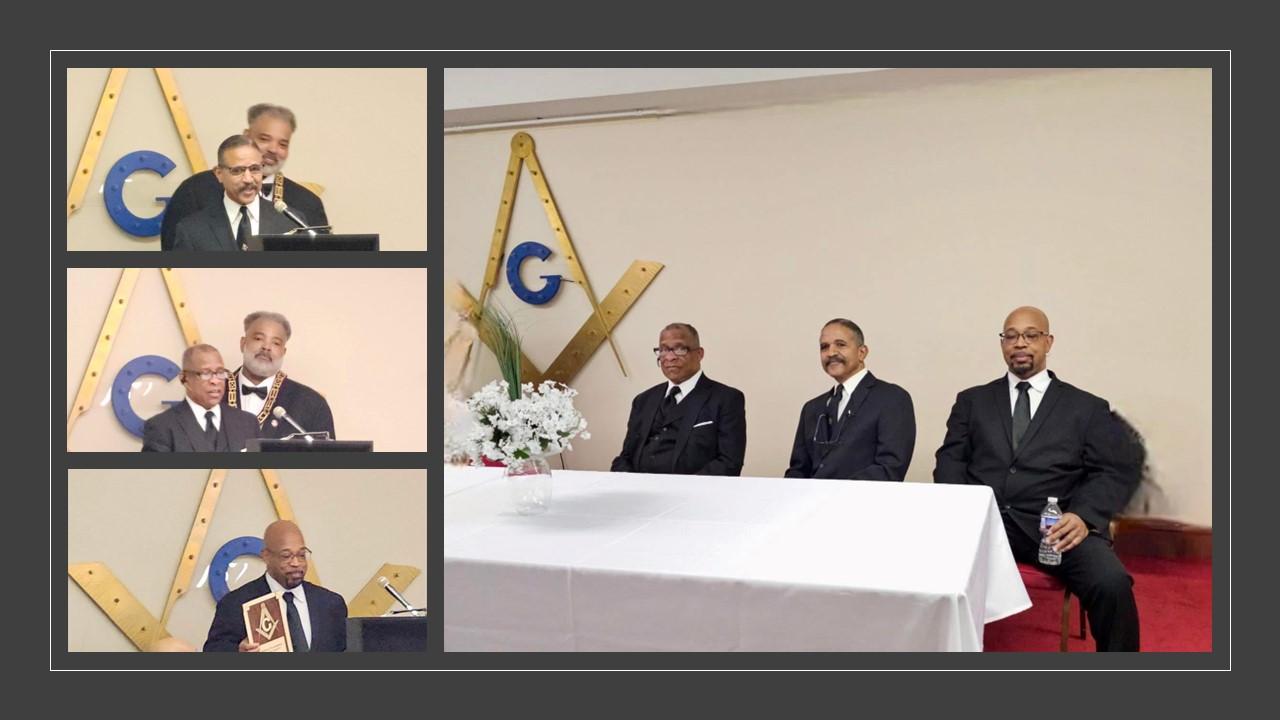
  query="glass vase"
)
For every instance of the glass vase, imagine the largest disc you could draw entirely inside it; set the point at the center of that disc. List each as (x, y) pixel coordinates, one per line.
(529, 482)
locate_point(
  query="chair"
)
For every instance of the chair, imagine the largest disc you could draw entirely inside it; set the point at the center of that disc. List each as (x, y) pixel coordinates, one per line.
(1036, 579)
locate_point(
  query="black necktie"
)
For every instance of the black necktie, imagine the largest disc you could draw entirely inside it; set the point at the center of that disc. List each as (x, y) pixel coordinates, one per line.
(668, 406)
(244, 231)
(1021, 413)
(210, 431)
(833, 407)
(670, 400)
(295, 625)
(260, 391)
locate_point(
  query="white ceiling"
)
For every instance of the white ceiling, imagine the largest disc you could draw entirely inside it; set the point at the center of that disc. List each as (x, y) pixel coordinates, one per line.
(475, 98)
(466, 88)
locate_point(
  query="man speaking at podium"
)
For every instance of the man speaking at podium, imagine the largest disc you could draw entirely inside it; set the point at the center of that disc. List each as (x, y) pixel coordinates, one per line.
(317, 617)
(270, 129)
(200, 423)
(259, 386)
(242, 213)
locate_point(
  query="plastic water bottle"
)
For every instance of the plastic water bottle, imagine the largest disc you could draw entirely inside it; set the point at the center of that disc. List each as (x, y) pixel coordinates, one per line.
(1048, 518)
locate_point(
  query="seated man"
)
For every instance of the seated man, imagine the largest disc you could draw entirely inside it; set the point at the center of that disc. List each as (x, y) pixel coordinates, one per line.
(864, 428)
(1030, 436)
(317, 617)
(271, 129)
(200, 423)
(242, 212)
(689, 425)
(260, 386)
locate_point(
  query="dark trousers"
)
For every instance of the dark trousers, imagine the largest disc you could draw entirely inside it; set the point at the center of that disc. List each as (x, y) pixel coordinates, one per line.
(1093, 573)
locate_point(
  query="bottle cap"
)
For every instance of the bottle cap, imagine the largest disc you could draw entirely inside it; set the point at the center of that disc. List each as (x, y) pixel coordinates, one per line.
(1053, 499)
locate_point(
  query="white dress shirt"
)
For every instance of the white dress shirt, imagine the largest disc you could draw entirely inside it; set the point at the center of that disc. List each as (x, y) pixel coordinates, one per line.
(233, 214)
(686, 387)
(199, 413)
(1039, 384)
(252, 404)
(849, 386)
(299, 601)
(267, 190)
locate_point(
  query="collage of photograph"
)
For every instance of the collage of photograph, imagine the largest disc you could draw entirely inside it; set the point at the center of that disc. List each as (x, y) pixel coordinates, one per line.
(696, 367)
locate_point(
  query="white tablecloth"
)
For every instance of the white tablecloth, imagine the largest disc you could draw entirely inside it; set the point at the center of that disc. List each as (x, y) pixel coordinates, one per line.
(674, 562)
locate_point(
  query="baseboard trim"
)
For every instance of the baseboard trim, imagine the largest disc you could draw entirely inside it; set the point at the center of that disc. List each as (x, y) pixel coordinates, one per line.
(1162, 538)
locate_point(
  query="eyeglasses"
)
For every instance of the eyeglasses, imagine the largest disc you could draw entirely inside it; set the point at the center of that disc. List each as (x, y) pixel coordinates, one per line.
(239, 170)
(1010, 337)
(289, 556)
(679, 351)
(208, 375)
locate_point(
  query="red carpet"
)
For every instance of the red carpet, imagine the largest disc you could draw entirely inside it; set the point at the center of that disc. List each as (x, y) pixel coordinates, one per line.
(1175, 607)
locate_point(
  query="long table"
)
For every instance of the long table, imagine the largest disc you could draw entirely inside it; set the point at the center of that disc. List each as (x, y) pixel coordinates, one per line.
(674, 562)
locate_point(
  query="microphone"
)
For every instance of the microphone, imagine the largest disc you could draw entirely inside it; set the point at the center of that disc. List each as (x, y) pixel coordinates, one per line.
(283, 414)
(386, 584)
(284, 210)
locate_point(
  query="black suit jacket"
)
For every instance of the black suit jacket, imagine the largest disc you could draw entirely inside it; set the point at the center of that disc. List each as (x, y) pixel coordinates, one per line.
(712, 438)
(176, 430)
(210, 228)
(306, 406)
(203, 189)
(327, 609)
(1073, 450)
(875, 436)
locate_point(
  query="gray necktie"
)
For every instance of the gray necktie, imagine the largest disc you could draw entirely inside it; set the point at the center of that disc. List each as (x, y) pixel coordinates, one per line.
(1021, 413)
(210, 430)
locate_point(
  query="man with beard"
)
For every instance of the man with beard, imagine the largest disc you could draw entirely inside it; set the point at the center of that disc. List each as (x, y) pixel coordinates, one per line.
(199, 423)
(270, 128)
(259, 386)
(317, 617)
(1030, 436)
(242, 212)
(862, 429)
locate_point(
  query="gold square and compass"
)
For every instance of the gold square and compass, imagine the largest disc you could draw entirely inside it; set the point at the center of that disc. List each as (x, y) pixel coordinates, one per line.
(605, 314)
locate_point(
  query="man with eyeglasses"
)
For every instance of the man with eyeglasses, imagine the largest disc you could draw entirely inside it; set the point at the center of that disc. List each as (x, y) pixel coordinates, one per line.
(242, 212)
(260, 385)
(271, 129)
(689, 425)
(864, 428)
(317, 617)
(200, 423)
(1030, 436)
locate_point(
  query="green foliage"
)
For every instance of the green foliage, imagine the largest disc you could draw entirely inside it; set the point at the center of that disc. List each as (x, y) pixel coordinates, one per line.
(498, 330)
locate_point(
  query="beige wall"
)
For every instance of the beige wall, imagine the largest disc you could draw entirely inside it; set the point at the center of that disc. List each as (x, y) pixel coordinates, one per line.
(362, 134)
(925, 215)
(136, 522)
(359, 338)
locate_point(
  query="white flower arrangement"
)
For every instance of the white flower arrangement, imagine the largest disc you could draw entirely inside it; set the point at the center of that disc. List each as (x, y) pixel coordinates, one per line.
(542, 421)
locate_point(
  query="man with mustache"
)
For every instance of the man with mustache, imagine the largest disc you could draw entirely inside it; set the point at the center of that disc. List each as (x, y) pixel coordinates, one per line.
(199, 423)
(259, 385)
(242, 212)
(1030, 436)
(317, 617)
(863, 428)
(271, 129)
(688, 425)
